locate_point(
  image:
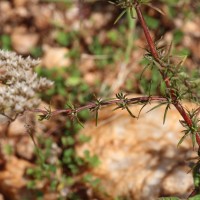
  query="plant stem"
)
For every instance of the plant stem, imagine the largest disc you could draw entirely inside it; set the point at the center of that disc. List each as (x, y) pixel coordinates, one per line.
(92, 105)
(154, 53)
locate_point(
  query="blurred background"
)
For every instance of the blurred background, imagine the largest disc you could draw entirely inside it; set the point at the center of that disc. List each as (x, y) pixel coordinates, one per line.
(87, 55)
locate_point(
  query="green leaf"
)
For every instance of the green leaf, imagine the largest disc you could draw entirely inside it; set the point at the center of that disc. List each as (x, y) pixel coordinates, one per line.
(165, 114)
(31, 185)
(93, 161)
(129, 111)
(157, 106)
(155, 8)
(67, 140)
(63, 38)
(142, 109)
(197, 197)
(96, 116)
(169, 198)
(79, 122)
(178, 36)
(69, 181)
(121, 14)
(145, 68)
(74, 168)
(73, 81)
(193, 137)
(182, 139)
(88, 178)
(5, 42)
(112, 35)
(83, 138)
(196, 175)
(152, 22)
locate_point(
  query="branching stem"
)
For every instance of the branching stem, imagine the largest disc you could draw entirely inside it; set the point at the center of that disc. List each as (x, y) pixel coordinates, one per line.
(154, 53)
(92, 105)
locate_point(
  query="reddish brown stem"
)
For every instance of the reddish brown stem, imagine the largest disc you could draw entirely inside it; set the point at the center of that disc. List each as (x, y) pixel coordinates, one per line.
(198, 139)
(146, 32)
(92, 105)
(154, 53)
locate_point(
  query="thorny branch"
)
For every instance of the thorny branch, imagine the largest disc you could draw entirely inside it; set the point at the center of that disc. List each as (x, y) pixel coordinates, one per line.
(93, 105)
(155, 55)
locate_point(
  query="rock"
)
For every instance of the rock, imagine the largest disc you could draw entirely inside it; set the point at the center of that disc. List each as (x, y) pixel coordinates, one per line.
(23, 41)
(5, 7)
(3, 120)
(100, 19)
(87, 63)
(56, 57)
(1, 197)
(192, 28)
(12, 183)
(42, 15)
(17, 127)
(140, 158)
(19, 3)
(25, 148)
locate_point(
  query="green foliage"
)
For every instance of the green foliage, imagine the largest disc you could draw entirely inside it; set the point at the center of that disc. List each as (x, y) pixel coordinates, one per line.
(177, 36)
(191, 130)
(124, 103)
(93, 161)
(68, 83)
(82, 138)
(8, 149)
(65, 39)
(5, 42)
(36, 52)
(168, 198)
(197, 197)
(152, 22)
(88, 178)
(102, 54)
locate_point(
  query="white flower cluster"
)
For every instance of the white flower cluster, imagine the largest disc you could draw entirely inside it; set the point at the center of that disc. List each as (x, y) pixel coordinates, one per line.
(19, 84)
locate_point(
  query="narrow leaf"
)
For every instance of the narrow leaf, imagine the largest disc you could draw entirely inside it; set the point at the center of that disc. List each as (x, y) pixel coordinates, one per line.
(165, 114)
(193, 136)
(150, 88)
(131, 12)
(155, 8)
(141, 109)
(79, 122)
(130, 113)
(118, 107)
(96, 116)
(113, 3)
(169, 198)
(169, 50)
(145, 68)
(197, 197)
(182, 139)
(157, 106)
(121, 14)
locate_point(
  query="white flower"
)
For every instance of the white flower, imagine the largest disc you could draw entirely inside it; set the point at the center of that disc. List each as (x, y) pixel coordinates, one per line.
(19, 84)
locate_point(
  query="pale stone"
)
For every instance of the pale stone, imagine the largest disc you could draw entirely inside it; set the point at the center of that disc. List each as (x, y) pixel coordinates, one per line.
(23, 41)
(56, 57)
(139, 157)
(19, 3)
(1, 197)
(192, 27)
(25, 148)
(17, 127)
(12, 183)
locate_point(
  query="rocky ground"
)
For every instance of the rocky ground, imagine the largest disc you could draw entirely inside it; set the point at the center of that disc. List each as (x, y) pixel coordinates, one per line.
(80, 47)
